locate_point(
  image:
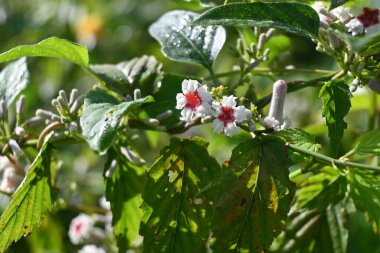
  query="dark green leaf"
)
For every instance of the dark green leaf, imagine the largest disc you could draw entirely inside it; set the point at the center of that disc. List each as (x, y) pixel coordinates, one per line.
(297, 18)
(101, 117)
(299, 138)
(323, 189)
(123, 191)
(51, 47)
(176, 218)
(31, 202)
(368, 143)
(365, 191)
(336, 3)
(255, 197)
(13, 79)
(185, 43)
(142, 73)
(336, 105)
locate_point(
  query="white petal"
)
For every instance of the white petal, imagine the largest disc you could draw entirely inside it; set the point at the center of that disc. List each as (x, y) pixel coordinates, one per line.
(191, 85)
(181, 101)
(229, 101)
(216, 106)
(342, 13)
(318, 6)
(217, 125)
(206, 96)
(231, 129)
(355, 27)
(204, 110)
(270, 122)
(187, 115)
(241, 114)
(185, 84)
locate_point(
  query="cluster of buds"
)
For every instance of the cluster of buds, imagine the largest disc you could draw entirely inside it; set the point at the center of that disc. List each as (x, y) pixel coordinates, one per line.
(196, 103)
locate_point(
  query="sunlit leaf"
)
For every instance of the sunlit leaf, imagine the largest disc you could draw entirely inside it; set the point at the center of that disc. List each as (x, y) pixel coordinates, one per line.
(176, 218)
(255, 197)
(368, 143)
(183, 42)
(13, 79)
(51, 47)
(299, 138)
(101, 117)
(297, 18)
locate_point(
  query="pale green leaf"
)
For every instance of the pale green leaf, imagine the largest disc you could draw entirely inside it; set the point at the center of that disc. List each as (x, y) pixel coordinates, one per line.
(13, 79)
(31, 202)
(299, 138)
(255, 197)
(51, 47)
(101, 117)
(368, 143)
(297, 18)
(123, 190)
(183, 42)
(176, 218)
(336, 105)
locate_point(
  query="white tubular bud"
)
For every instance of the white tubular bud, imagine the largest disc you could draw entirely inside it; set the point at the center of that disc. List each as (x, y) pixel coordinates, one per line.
(278, 100)
(164, 115)
(45, 114)
(73, 96)
(111, 169)
(19, 154)
(152, 122)
(270, 32)
(266, 52)
(334, 41)
(137, 94)
(132, 156)
(62, 94)
(128, 98)
(354, 85)
(257, 31)
(328, 14)
(63, 104)
(73, 127)
(323, 24)
(15, 148)
(19, 131)
(34, 121)
(206, 119)
(20, 105)
(253, 48)
(374, 85)
(3, 109)
(262, 40)
(77, 104)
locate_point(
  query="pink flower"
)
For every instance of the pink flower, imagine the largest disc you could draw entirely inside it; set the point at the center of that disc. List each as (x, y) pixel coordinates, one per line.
(80, 228)
(194, 101)
(227, 114)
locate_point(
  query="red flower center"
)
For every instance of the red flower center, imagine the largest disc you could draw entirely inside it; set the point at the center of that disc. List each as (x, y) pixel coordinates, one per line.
(226, 115)
(369, 17)
(193, 100)
(78, 227)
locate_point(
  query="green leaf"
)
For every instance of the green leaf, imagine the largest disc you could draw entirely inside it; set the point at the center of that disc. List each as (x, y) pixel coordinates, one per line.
(336, 105)
(13, 79)
(31, 202)
(367, 45)
(368, 143)
(140, 72)
(336, 3)
(365, 191)
(255, 197)
(185, 43)
(51, 47)
(299, 138)
(123, 190)
(176, 218)
(296, 18)
(323, 189)
(101, 117)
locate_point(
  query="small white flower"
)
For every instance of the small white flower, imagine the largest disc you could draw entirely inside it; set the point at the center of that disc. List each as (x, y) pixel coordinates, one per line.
(320, 8)
(11, 179)
(194, 101)
(91, 249)
(355, 27)
(80, 228)
(342, 13)
(227, 114)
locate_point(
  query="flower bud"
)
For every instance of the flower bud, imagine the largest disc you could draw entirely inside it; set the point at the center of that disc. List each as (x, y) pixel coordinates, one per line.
(262, 40)
(137, 94)
(73, 96)
(278, 100)
(20, 105)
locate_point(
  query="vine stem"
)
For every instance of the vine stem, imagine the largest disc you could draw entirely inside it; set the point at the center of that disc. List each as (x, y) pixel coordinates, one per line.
(332, 161)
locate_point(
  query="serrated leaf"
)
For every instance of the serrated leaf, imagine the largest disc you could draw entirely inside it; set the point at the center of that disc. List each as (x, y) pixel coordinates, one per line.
(51, 47)
(320, 190)
(255, 197)
(101, 117)
(176, 218)
(140, 72)
(296, 18)
(183, 42)
(336, 105)
(365, 191)
(299, 138)
(31, 202)
(123, 191)
(13, 79)
(368, 143)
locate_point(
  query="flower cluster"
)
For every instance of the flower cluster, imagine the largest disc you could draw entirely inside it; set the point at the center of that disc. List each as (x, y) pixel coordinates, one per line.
(196, 102)
(355, 25)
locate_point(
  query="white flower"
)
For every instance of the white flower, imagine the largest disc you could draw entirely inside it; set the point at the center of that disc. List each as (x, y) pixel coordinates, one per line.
(342, 13)
(271, 122)
(355, 27)
(194, 101)
(91, 249)
(11, 179)
(227, 114)
(80, 228)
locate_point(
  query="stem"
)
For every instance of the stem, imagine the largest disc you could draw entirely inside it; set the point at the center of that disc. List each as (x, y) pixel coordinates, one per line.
(329, 160)
(225, 2)
(213, 76)
(46, 131)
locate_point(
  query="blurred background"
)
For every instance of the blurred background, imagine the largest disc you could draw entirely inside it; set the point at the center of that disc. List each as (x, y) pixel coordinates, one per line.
(117, 30)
